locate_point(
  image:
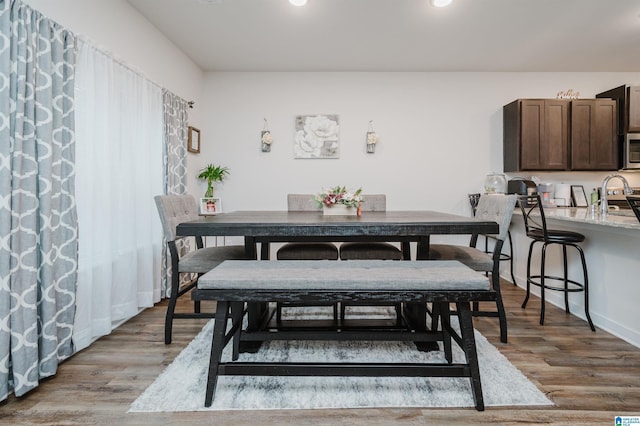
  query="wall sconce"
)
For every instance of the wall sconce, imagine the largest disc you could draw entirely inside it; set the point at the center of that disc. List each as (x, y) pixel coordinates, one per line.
(372, 139)
(298, 2)
(265, 138)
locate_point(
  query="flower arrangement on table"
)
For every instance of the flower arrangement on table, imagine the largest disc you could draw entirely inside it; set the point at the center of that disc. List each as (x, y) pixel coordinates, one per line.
(339, 195)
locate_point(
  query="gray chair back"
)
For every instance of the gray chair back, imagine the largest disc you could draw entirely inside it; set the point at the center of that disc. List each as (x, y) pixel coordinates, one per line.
(302, 203)
(175, 209)
(499, 208)
(374, 203)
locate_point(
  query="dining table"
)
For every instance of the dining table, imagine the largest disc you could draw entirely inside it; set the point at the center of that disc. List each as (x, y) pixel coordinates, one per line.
(403, 227)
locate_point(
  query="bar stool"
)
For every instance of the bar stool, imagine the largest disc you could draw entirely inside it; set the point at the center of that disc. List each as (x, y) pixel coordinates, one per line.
(634, 203)
(536, 228)
(504, 257)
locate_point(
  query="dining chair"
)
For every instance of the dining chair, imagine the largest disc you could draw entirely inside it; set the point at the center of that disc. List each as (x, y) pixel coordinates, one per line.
(504, 257)
(302, 250)
(494, 207)
(535, 224)
(187, 264)
(361, 250)
(371, 249)
(634, 203)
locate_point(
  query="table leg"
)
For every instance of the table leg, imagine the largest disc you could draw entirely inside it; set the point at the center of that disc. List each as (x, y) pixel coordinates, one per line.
(422, 249)
(250, 247)
(255, 311)
(416, 314)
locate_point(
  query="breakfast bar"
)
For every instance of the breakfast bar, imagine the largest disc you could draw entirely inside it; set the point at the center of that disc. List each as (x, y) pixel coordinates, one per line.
(611, 248)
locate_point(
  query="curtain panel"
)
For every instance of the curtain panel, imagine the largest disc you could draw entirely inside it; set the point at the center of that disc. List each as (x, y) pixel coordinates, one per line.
(175, 118)
(119, 171)
(38, 224)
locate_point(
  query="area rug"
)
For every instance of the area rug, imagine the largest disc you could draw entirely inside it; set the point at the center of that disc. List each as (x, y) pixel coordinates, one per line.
(181, 387)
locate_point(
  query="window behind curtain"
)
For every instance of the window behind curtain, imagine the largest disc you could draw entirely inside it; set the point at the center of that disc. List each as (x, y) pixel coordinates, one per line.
(119, 130)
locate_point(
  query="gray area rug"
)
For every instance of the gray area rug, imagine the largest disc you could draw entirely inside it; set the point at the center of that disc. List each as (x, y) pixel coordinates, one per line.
(181, 387)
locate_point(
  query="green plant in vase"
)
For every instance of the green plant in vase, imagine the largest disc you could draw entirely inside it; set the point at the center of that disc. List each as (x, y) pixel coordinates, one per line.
(213, 174)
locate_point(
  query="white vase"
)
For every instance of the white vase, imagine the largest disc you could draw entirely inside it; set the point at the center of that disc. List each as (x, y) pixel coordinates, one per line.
(339, 210)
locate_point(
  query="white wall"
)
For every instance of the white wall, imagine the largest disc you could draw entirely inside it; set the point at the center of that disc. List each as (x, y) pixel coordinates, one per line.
(118, 28)
(440, 133)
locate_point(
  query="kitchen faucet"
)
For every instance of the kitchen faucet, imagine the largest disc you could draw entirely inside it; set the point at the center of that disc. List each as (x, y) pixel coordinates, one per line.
(604, 205)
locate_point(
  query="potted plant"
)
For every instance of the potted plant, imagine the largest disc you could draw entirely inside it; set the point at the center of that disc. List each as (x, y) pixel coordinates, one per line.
(213, 174)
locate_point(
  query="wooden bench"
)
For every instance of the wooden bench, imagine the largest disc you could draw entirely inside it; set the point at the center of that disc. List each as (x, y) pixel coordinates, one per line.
(234, 283)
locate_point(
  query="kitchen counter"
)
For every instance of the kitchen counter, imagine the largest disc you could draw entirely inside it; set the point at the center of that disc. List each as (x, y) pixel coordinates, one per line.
(615, 218)
(611, 248)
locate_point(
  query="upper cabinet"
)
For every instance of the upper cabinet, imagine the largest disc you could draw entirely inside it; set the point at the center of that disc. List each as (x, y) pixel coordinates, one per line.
(628, 105)
(536, 135)
(634, 109)
(560, 134)
(594, 141)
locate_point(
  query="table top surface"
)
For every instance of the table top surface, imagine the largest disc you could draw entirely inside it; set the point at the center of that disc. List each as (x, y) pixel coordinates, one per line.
(386, 223)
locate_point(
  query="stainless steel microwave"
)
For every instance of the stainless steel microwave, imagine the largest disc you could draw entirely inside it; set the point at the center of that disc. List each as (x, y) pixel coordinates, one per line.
(631, 151)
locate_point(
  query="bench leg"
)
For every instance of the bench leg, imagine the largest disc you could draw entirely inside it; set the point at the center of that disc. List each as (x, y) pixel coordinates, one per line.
(217, 345)
(469, 347)
(237, 311)
(445, 315)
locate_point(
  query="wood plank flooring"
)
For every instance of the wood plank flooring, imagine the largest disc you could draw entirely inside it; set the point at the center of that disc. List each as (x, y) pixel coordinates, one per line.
(591, 377)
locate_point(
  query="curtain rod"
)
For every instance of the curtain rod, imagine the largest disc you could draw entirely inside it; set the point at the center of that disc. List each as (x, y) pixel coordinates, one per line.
(121, 62)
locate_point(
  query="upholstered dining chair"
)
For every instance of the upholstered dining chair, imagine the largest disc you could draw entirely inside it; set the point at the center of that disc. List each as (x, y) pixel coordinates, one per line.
(305, 250)
(499, 208)
(174, 209)
(504, 257)
(371, 250)
(359, 250)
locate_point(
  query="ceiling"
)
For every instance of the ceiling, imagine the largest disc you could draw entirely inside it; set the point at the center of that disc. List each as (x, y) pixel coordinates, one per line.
(402, 35)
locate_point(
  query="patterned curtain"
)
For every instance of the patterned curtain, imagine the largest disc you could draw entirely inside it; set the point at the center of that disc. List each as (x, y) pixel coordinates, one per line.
(175, 141)
(175, 167)
(38, 224)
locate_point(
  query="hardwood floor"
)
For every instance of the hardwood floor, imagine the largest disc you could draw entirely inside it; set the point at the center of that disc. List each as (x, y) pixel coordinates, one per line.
(591, 377)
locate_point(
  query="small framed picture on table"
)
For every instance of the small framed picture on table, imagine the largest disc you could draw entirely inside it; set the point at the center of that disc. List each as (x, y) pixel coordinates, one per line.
(210, 206)
(578, 196)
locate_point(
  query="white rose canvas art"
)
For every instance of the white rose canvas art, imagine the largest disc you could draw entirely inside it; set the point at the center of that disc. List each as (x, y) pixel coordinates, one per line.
(317, 136)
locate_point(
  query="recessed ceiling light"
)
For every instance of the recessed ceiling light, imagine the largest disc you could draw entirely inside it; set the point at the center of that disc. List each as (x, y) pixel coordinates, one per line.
(298, 2)
(440, 3)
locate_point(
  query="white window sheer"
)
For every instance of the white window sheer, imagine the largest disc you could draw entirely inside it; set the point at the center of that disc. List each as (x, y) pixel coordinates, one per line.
(119, 131)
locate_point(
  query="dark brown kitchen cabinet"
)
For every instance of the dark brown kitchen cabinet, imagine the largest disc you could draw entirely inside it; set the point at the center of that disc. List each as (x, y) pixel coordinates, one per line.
(594, 141)
(536, 135)
(634, 109)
